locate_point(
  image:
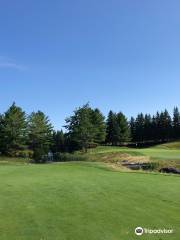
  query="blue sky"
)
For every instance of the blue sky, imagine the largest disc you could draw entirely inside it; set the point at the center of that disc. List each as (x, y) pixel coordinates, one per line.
(120, 55)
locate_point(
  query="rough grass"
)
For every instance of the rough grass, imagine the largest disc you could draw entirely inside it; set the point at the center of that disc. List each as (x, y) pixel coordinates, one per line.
(13, 160)
(153, 152)
(164, 156)
(77, 201)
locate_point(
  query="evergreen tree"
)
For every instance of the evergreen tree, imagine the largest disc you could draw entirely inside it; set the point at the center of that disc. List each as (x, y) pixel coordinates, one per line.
(99, 126)
(40, 134)
(147, 127)
(13, 130)
(111, 128)
(123, 128)
(140, 127)
(154, 129)
(133, 129)
(1, 134)
(176, 123)
(58, 142)
(168, 125)
(117, 129)
(165, 126)
(158, 126)
(80, 128)
(85, 128)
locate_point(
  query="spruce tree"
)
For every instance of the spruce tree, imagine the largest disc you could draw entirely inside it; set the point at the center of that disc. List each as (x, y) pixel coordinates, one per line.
(39, 135)
(158, 126)
(165, 126)
(123, 128)
(117, 129)
(140, 127)
(154, 129)
(111, 128)
(133, 129)
(176, 123)
(147, 127)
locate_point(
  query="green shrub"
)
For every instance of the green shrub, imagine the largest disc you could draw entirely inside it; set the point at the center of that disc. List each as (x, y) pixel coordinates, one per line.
(21, 153)
(39, 155)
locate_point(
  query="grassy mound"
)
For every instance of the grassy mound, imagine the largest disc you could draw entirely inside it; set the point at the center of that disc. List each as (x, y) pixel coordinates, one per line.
(78, 201)
(163, 156)
(171, 145)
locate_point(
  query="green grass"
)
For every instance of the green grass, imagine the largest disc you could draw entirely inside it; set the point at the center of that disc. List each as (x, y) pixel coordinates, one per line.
(171, 145)
(88, 200)
(154, 152)
(160, 153)
(77, 201)
(164, 155)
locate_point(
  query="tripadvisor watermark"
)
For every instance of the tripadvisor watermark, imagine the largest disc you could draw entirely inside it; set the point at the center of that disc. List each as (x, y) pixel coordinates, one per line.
(140, 231)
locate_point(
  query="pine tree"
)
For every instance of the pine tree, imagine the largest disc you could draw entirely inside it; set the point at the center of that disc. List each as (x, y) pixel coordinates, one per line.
(39, 134)
(13, 130)
(99, 126)
(80, 128)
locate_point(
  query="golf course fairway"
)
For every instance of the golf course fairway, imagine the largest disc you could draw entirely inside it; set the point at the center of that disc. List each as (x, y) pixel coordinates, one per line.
(85, 201)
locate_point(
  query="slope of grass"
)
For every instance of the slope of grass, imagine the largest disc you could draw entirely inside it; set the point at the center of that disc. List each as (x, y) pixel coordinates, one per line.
(159, 153)
(171, 145)
(77, 201)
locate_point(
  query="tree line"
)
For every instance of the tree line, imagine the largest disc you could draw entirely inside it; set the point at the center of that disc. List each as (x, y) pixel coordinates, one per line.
(157, 128)
(33, 135)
